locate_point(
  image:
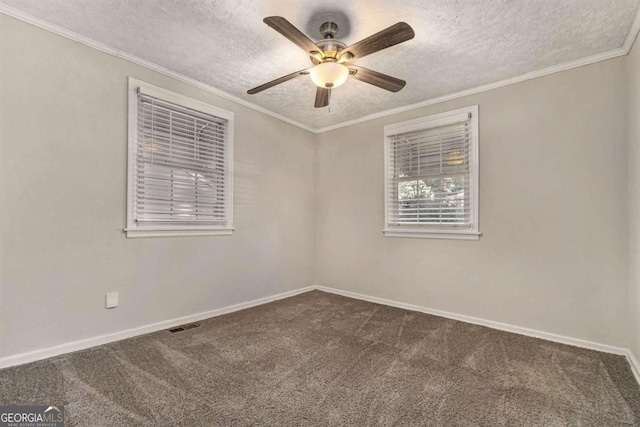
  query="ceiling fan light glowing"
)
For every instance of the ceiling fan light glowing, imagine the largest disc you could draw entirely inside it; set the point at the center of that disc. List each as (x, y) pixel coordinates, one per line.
(332, 59)
(329, 75)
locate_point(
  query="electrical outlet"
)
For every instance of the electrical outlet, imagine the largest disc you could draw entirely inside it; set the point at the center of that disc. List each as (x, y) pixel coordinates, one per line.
(111, 300)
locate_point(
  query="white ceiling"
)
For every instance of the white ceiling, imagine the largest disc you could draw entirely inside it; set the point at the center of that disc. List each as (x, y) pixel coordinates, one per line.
(459, 44)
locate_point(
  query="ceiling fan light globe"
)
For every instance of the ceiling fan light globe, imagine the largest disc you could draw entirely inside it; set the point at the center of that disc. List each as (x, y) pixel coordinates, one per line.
(329, 75)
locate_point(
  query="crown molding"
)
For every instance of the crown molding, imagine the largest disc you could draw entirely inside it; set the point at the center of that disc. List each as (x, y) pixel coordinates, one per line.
(632, 35)
(484, 88)
(22, 16)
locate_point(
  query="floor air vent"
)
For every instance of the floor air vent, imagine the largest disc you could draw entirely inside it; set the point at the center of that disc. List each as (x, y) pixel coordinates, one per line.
(184, 327)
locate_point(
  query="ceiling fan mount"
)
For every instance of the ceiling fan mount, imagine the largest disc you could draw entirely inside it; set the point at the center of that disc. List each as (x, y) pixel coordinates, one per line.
(332, 58)
(329, 30)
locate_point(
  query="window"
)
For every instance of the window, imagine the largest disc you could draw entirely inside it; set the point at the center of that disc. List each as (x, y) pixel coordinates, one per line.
(431, 176)
(180, 165)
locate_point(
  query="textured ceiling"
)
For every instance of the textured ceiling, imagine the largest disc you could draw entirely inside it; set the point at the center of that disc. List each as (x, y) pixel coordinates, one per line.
(459, 44)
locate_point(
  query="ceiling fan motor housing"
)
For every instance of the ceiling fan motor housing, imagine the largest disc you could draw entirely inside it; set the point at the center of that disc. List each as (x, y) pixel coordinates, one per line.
(329, 44)
(331, 47)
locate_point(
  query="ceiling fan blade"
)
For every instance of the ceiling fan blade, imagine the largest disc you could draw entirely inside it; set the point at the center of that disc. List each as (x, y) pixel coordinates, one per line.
(377, 79)
(395, 34)
(272, 83)
(322, 97)
(287, 29)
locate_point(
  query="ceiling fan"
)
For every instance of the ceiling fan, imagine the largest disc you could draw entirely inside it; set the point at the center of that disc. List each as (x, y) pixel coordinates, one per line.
(332, 58)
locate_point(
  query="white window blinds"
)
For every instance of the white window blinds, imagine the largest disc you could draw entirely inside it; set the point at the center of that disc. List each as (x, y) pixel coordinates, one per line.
(430, 181)
(181, 170)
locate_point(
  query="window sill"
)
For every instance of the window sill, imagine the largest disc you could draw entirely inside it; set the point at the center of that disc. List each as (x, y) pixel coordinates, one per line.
(414, 233)
(137, 233)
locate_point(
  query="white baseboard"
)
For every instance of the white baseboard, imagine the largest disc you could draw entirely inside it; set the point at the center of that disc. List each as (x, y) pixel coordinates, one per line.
(633, 362)
(70, 347)
(483, 322)
(635, 366)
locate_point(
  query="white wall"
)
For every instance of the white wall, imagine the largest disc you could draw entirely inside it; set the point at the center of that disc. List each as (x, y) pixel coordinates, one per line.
(634, 198)
(63, 142)
(553, 211)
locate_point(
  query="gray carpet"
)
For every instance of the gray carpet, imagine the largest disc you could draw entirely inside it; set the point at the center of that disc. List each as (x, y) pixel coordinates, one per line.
(322, 359)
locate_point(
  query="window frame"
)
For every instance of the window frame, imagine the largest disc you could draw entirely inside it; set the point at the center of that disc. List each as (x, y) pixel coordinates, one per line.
(435, 231)
(133, 229)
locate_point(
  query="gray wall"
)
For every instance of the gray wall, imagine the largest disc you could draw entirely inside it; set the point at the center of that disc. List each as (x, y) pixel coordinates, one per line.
(634, 198)
(553, 210)
(63, 140)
